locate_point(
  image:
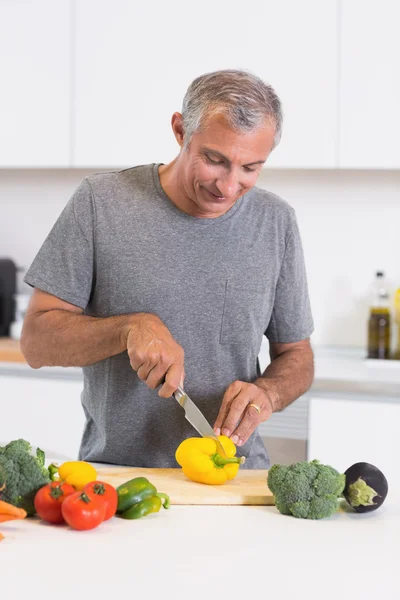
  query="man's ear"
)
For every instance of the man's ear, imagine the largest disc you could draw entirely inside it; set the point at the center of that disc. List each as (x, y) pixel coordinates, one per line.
(177, 127)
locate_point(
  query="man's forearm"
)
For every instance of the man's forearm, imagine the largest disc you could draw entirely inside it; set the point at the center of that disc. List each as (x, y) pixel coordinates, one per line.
(287, 377)
(61, 338)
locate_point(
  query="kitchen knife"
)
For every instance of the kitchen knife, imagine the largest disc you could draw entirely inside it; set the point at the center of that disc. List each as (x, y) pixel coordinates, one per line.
(196, 418)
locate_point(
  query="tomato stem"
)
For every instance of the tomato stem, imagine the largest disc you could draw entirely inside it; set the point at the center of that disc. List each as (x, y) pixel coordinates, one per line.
(99, 489)
(56, 491)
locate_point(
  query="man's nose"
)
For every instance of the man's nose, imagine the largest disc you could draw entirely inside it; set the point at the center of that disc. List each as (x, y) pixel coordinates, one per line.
(228, 184)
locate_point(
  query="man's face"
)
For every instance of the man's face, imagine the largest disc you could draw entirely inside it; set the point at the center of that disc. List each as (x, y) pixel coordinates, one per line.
(221, 165)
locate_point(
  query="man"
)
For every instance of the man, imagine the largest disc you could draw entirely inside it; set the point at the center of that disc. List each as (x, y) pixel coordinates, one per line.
(162, 274)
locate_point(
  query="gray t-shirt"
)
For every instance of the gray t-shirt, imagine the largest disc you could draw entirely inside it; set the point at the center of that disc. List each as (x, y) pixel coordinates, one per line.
(121, 246)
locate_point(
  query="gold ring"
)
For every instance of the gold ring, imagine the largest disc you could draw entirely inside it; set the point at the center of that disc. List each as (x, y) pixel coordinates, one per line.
(258, 409)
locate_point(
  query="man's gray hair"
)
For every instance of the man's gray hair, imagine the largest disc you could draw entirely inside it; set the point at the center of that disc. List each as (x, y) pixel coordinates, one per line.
(244, 99)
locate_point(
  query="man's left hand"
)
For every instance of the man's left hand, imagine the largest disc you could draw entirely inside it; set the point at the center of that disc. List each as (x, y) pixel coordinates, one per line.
(244, 406)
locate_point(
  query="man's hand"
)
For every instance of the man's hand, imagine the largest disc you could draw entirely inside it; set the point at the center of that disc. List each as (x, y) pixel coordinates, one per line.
(287, 377)
(154, 354)
(237, 417)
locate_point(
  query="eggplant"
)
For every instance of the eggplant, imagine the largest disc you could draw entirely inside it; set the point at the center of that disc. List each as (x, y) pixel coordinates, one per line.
(366, 487)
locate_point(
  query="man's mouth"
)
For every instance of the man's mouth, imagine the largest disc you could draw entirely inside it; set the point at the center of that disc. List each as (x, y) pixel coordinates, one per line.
(215, 195)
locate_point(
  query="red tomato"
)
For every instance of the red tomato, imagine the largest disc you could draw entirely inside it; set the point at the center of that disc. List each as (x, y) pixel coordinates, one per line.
(48, 500)
(107, 493)
(83, 512)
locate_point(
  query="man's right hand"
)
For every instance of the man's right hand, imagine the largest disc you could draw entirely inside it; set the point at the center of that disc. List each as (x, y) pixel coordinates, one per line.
(154, 354)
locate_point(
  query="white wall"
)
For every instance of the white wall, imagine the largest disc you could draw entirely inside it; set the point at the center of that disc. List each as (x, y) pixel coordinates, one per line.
(349, 220)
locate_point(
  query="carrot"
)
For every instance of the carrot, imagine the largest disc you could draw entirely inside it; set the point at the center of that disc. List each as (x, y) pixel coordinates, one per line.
(4, 518)
(8, 512)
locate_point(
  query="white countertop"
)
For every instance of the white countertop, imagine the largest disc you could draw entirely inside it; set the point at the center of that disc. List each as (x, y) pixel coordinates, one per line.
(190, 552)
(347, 370)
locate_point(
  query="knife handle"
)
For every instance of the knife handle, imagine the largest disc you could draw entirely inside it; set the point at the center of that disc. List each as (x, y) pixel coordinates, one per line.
(179, 391)
(179, 394)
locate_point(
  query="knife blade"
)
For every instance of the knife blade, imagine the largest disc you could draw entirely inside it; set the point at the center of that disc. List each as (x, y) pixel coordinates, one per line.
(196, 418)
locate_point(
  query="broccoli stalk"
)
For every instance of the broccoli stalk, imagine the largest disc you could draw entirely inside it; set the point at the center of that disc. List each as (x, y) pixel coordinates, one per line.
(22, 474)
(306, 490)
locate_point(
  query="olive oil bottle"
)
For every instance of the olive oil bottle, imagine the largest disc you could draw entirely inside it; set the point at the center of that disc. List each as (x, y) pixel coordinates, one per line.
(379, 325)
(396, 354)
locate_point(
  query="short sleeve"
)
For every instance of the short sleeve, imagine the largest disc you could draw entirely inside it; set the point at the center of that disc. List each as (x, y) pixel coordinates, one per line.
(291, 318)
(64, 265)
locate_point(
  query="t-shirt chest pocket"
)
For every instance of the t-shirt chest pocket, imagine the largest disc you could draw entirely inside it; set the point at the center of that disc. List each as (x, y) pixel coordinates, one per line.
(246, 312)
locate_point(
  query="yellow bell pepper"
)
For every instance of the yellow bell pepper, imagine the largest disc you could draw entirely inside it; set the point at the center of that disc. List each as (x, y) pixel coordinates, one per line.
(201, 462)
(75, 472)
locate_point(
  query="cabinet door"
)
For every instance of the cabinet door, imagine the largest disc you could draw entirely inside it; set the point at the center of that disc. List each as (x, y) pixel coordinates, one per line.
(45, 412)
(370, 84)
(345, 431)
(134, 62)
(35, 83)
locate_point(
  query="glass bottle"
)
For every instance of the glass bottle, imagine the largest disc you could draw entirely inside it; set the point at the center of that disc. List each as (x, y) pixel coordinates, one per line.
(379, 320)
(396, 354)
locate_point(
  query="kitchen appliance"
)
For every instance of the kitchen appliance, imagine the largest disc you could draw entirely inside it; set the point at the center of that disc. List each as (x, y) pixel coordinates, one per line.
(248, 488)
(8, 286)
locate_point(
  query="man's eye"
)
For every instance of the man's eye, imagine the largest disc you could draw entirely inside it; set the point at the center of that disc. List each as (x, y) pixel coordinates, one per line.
(215, 162)
(249, 170)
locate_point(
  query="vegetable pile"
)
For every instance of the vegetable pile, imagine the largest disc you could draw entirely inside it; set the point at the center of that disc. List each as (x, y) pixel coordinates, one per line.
(311, 490)
(84, 504)
(67, 494)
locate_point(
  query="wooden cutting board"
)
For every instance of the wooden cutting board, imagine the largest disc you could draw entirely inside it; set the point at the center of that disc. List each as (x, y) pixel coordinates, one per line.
(248, 487)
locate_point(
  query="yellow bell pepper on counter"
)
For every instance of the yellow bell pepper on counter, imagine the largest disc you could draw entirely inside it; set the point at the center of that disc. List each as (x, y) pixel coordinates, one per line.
(75, 472)
(201, 462)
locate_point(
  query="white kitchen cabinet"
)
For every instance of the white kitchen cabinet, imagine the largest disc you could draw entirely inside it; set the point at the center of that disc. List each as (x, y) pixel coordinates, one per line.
(47, 412)
(35, 99)
(135, 60)
(345, 430)
(290, 423)
(370, 84)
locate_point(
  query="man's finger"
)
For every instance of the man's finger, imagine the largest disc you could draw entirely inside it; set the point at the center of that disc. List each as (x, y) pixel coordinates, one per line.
(236, 412)
(251, 419)
(137, 359)
(144, 370)
(230, 394)
(173, 379)
(149, 362)
(156, 376)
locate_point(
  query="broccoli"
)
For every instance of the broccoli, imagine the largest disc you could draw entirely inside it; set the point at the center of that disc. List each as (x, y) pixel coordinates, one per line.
(21, 474)
(307, 490)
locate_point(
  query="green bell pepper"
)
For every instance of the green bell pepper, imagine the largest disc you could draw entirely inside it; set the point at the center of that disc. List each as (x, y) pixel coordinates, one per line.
(138, 498)
(147, 506)
(133, 491)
